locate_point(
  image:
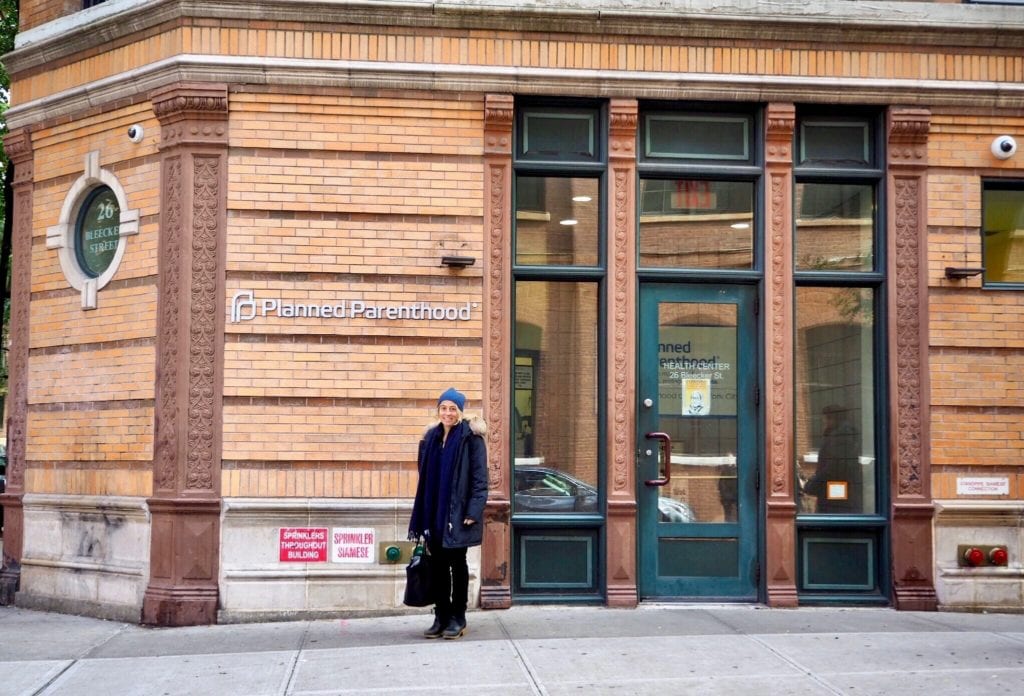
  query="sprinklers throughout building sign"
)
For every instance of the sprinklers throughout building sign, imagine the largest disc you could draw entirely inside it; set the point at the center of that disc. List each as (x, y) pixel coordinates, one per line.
(245, 306)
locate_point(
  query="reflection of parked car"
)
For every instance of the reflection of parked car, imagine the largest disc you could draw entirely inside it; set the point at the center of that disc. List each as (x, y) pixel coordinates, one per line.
(543, 489)
(672, 510)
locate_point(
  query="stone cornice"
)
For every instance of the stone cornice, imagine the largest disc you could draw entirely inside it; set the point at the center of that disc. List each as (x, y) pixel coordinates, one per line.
(489, 79)
(830, 22)
(195, 101)
(18, 146)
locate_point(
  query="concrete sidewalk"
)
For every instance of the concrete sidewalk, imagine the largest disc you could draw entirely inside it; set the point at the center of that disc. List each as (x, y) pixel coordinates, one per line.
(660, 649)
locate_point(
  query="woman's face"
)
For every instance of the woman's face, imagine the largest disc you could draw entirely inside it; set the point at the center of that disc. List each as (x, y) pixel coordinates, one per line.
(449, 413)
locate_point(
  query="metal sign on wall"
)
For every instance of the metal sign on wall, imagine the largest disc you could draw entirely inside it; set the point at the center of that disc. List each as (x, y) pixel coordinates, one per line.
(245, 306)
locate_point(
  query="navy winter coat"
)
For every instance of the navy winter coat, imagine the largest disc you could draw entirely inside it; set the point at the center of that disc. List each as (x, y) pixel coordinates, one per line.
(468, 489)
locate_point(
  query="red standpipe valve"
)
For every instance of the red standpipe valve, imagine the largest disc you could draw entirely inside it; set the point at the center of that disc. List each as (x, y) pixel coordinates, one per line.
(998, 556)
(974, 556)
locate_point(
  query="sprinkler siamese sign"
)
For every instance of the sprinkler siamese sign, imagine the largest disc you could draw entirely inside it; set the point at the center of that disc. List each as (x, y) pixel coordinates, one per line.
(697, 371)
(352, 545)
(245, 306)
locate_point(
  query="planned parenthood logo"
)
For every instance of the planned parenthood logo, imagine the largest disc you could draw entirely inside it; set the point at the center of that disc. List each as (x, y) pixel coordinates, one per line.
(246, 307)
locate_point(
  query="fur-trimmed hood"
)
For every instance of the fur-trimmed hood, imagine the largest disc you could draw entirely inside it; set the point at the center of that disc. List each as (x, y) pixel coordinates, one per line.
(476, 424)
(466, 464)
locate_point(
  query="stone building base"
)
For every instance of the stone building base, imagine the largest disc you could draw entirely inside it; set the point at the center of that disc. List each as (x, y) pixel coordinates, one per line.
(85, 555)
(255, 585)
(983, 523)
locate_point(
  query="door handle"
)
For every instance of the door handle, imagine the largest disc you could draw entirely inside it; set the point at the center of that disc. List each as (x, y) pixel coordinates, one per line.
(666, 457)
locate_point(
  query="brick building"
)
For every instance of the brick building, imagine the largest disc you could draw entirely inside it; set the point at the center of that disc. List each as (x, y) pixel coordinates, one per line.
(737, 291)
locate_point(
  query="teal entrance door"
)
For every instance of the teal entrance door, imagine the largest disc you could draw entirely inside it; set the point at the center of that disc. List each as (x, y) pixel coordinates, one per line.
(698, 442)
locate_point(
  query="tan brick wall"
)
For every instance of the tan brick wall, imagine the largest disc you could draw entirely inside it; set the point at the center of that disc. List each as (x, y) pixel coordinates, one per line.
(333, 193)
(390, 368)
(978, 377)
(976, 336)
(67, 142)
(976, 437)
(92, 67)
(539, 50)
(32, 13)
(80, 435)
(122, 372)
(123, 314)
(89, 481)
(314, 243)
(91, 373)
(319, 484)
(341, 197)
(944, 482)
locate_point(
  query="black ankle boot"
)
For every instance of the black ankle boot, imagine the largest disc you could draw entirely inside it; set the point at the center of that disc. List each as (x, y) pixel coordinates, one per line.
(456, 627)
(437, 628)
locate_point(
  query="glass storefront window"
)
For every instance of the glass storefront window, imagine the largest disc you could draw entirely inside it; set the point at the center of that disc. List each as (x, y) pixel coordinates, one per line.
(1003, 232)
(557, 222)
(835, 227)
(835, 387)
(555, 420)
(696, 223)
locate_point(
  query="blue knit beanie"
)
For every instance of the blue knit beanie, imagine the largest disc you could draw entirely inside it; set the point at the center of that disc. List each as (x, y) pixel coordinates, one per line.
(456, 397)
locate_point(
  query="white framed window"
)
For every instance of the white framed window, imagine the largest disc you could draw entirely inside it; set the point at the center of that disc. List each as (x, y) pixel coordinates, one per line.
(92, 233)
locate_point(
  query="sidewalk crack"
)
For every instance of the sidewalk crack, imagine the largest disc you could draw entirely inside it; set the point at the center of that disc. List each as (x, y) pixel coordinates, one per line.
(293, 667)
(84, 655)
(798, 666)
(524, 662)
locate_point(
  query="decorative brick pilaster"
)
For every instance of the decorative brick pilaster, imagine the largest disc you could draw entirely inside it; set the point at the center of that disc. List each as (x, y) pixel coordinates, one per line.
(780, 523)
(495, 579)
(185, 506)
(18, 146)
(912, 509)
(621, 365)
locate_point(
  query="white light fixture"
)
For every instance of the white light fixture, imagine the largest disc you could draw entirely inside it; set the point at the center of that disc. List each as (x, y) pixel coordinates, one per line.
(740, 225)
(1004, 147)
(568, 223)
(582, 199)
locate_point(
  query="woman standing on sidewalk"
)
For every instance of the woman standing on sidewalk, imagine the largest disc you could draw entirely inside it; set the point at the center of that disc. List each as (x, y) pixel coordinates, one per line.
(449, 507)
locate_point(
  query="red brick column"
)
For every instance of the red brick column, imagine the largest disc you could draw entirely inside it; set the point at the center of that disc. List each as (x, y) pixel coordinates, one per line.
(912, 508)
(185, 507)
(621, 366)
(780, 522)
(495, 579)
(18, 146)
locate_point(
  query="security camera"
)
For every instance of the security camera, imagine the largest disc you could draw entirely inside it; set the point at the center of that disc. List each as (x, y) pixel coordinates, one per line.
(1004, 147)
(135, 133)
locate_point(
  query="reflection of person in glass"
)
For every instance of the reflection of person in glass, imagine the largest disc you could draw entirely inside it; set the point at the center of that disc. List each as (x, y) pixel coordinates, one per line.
(838, 482)
(449, 507)
(727, 492)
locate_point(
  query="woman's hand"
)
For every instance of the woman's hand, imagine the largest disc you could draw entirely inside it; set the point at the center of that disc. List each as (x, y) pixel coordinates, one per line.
(469, 522)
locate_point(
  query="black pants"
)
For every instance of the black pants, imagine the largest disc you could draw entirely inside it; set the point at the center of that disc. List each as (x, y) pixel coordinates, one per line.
(450, 580)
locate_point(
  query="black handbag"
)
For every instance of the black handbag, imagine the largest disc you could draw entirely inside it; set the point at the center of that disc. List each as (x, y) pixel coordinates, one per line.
(418, 590)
